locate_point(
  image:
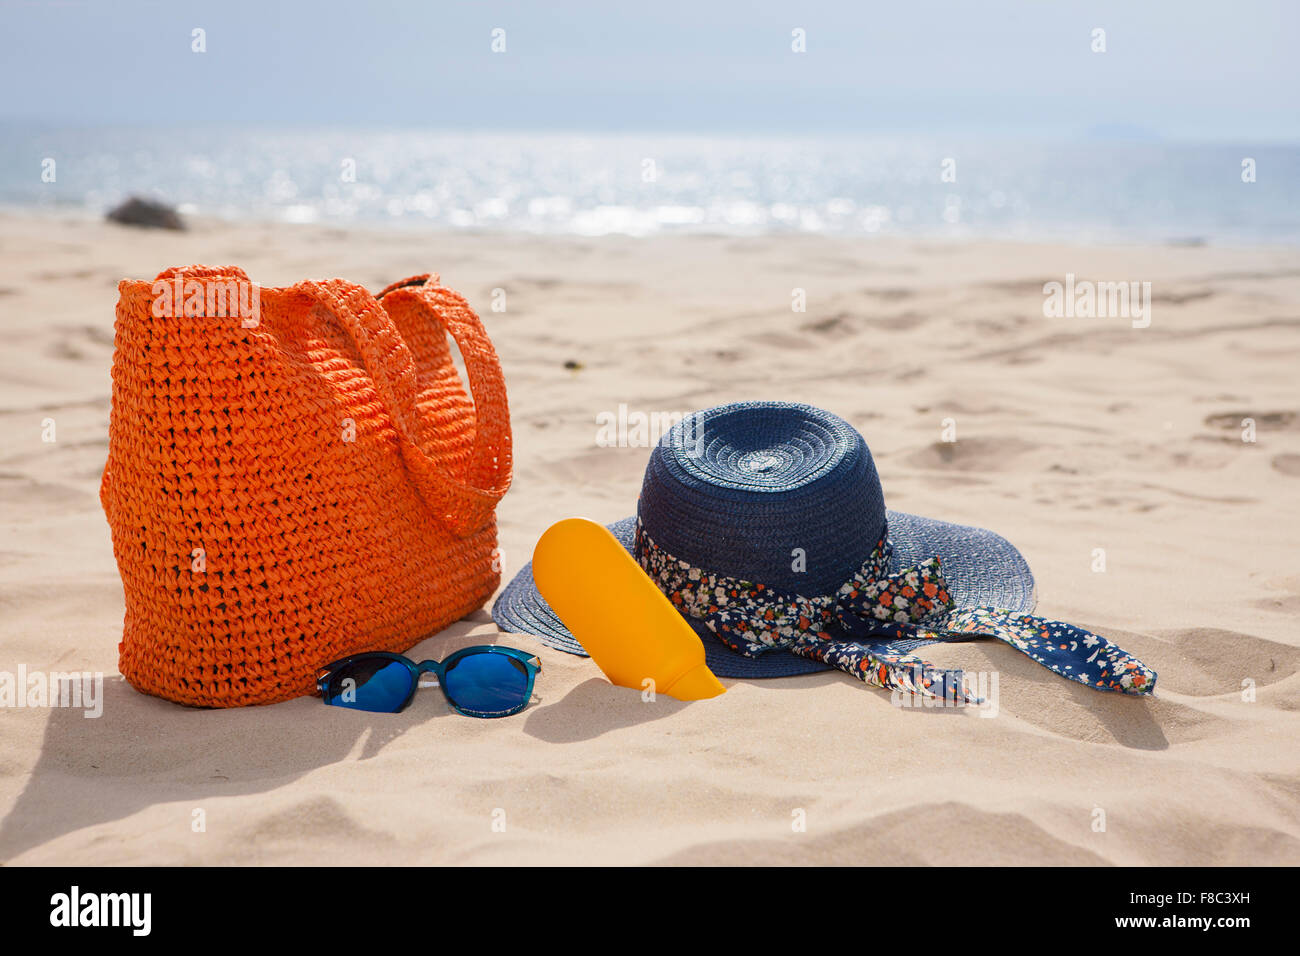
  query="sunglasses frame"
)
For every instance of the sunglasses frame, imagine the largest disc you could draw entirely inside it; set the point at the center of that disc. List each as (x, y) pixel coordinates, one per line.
(532, 664)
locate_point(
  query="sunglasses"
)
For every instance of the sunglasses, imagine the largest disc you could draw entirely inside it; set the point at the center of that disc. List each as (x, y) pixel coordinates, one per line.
(481, 681)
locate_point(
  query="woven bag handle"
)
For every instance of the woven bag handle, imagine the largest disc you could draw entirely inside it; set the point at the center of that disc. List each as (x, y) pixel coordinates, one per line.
(491, 460)
(466, 505)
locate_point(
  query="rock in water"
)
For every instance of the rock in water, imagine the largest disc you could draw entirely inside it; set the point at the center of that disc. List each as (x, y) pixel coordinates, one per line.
(147, 213)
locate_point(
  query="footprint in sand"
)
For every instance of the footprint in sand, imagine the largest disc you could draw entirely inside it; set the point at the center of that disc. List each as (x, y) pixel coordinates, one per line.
(890, 295)
(971, 454)
(831, 324)
(1287, 464)
(1181, 298)
(1198, 662)
(1285, 598)
(1209, 661)
(1262, 420)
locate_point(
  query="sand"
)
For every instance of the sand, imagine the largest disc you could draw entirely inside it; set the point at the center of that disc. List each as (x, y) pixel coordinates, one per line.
(1073, 434)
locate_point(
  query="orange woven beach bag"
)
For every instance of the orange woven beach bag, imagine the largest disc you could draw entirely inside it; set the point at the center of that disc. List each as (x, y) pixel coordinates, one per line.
(295, 475)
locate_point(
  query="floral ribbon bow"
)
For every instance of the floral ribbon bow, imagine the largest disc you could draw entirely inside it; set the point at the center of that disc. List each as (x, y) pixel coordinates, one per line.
(869, 627)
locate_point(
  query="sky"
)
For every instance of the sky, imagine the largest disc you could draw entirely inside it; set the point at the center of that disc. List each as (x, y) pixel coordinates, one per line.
(1189, 70)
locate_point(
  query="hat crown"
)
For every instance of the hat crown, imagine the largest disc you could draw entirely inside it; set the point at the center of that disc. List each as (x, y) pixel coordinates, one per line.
(782, 494)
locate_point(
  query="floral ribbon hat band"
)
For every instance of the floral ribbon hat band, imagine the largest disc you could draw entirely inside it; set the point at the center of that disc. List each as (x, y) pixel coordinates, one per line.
(765, 524)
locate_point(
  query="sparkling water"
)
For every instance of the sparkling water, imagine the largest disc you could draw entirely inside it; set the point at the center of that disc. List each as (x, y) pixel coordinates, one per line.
(597, 184)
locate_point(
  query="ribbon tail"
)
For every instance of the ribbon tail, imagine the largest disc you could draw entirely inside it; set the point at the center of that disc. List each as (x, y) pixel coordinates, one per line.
(902, 672)
(1073, 652)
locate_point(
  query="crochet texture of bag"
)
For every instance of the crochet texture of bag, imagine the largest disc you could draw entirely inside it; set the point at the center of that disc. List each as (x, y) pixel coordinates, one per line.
(295, 475)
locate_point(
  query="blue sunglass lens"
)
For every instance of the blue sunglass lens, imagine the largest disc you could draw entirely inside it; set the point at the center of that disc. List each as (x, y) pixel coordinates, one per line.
(487, 685)
(372, 683)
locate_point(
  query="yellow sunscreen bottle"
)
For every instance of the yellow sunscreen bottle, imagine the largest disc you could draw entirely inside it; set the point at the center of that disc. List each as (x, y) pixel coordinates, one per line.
(618, 615)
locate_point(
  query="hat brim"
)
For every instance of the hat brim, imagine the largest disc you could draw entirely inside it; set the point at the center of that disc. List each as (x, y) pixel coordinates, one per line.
(982, 569)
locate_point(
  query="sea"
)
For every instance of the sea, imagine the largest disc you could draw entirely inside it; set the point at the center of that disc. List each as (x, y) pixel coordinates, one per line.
(1098, 190)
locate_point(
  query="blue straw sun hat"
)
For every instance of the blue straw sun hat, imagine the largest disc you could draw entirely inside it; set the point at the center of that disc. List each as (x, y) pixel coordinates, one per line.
(766, 525)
